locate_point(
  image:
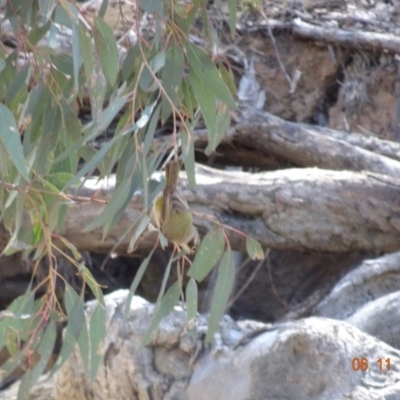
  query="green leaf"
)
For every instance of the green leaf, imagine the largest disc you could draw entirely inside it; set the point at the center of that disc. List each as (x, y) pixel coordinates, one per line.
(172, 75)
(153, 6)
(76, 321)
(76, 54)
(135, 283)
(25, 386)
(59, 179)
(151, 128)
(46, 8)
(189, 99)
(38, 32)
(71, 247)
(131, 63)
(51, 125)
(208, 254)
(222, 125)
(63, 62)
(107, 49)
(188, 157)
(232, 17)
(12, 342)
(144, 119)
(17, 222)
(103, 8)
(163, 240)
(207, 102)
(222, 291)
(9, 135)
(94, 286)
(254, 249)
(85, 42)
(75, 310)
(191, 307)
(164, 282)
(147, 82)
(139, 228)
(117, 204)
(92, 164)
(96, 336)
(227, 76)
(66, 14)
(45, 350)
(84, 346)
(19, 317)
(97, 91)
(94, 130)
(183, 18)
(208, 73)
(20, 83)
(165, 307)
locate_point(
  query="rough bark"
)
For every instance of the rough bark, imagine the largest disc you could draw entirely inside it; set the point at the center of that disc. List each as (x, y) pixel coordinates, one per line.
(354, 39)
(300, 208)
(308, 146)
(312, 209)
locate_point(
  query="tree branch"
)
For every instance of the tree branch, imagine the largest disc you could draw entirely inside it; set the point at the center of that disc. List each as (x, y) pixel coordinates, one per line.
(298, 208)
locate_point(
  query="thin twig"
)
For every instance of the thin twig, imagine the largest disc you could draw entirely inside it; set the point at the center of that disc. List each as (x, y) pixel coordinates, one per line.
(278, 57)
(283, 302)
(246, 284)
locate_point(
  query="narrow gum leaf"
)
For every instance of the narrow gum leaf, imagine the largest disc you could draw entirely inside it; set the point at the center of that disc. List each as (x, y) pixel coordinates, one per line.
(208, 73)
(208, 254)
(254, 249)
(107, 49)
(136, 282)
(222, 291)
(9, 135)
(164, 308)
(97, 333)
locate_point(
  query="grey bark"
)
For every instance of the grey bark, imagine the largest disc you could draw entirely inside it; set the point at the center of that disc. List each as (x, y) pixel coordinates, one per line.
(298, 208)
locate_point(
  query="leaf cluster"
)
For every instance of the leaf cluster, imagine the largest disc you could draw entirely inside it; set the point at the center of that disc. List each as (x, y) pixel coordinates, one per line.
(46, 150)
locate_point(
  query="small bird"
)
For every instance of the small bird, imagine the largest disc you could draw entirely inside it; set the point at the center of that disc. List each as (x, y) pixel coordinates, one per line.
(171, 212)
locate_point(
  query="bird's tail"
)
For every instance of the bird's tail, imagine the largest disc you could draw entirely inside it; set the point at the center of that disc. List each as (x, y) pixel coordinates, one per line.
(172, 172)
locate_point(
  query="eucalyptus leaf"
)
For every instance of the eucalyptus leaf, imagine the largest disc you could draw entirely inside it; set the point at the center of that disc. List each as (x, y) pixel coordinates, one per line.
(76, 321)
(153, 6)
(76, 54)
(191, 301)
(96, 336)
(254, 249)
(9, 136)
(172, 75)
(94, 286)
(188, 157)
(136, 282)
(206, 71)
(107, 49)
(103, 8)
(207, 102)
(222, 125)
(137, 232)
(45, 350)
(208, 254)
(232, 16)
(85, 42)
(20, 83)
(151, 128)
(222, 291)
(163, 309)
